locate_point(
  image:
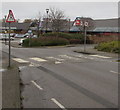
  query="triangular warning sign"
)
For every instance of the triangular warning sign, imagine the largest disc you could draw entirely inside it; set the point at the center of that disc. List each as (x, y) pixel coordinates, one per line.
(10, 17)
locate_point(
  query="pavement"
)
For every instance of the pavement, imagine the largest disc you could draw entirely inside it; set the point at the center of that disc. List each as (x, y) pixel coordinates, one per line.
(10, 84)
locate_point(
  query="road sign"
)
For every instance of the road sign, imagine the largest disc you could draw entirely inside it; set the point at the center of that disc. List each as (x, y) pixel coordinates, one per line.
(10, 17)
(86, 24)
(29, 31)
(77, 21)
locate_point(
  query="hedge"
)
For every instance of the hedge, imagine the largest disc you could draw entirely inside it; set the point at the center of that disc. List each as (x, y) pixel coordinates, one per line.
(45, 41)
(71, 37)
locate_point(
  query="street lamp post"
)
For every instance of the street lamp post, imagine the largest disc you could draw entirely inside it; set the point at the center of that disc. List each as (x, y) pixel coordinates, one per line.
(30, 32)
(38, 26)
(47, 10)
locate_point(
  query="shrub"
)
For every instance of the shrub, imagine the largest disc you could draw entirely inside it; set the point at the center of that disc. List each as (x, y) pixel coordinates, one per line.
(100, 39)
(45, 41)
(57, 34)
(109, 47)
(75, 41)
(78, 37)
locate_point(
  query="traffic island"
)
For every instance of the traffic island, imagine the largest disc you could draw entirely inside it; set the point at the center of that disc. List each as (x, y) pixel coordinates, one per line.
(92, 51)
(86, 52)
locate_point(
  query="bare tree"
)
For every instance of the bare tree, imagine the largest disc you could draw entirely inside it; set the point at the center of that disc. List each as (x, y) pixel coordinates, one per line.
(27, 21)
(57, 19)
(39, 23)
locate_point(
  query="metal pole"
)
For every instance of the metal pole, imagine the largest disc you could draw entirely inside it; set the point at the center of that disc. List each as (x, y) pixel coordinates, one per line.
(5, 29)
(47, 10)
(84, 38)
(38, 28)
(46, 22)
(29, 40)
(69, 25)
(9, 47)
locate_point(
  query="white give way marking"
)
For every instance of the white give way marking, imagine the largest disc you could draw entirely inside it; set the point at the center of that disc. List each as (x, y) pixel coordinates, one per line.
(20, 60)
(114, 72)
(38, 59)
(99, 56)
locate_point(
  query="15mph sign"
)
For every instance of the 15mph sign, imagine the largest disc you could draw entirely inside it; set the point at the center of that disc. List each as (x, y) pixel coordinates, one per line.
(10, 17)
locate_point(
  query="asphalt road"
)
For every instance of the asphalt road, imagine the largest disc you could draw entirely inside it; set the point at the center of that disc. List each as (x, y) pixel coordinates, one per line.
(60, 78)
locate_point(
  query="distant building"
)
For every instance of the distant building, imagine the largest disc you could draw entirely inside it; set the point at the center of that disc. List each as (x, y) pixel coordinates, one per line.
(15, 26)
(106, 25)
(97, 26)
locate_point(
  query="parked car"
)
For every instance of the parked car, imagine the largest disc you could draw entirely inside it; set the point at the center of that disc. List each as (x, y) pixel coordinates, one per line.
(20, 35)
(21, 41)
(12, 34)
(34, 36)
(5, 37)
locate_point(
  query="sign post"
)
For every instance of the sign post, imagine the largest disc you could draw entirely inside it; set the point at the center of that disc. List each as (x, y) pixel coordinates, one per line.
(79, 22)
(85, 25)
(10, 19)
(30, 32)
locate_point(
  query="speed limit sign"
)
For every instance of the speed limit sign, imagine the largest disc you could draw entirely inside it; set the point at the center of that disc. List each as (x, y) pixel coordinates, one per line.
(86, 24)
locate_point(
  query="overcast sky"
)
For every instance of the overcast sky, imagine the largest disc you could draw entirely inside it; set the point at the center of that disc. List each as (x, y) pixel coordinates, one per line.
(95, 10)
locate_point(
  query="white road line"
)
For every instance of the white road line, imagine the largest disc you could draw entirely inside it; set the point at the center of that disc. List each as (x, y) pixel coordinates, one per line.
(58, 59)
(114, 72)
(65, 56)
(20, 60)
(38, 59)
(57, 62)
(37, 85)
(34, 64)
(69, 57)
(99, 56)
(82, 56)
(60, 105)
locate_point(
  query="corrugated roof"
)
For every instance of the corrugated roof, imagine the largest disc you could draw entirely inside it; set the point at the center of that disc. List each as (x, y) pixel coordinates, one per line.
(106, 23)
(23, 26)
(106, 29)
